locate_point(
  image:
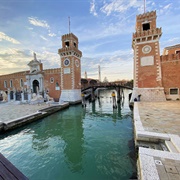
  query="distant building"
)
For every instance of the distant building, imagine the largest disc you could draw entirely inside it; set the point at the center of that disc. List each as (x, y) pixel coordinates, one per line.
(64, 82)
(156, 78)
(35, 80)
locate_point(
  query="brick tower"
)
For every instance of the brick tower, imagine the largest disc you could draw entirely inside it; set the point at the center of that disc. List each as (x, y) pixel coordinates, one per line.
(147, 67)
(70, 69)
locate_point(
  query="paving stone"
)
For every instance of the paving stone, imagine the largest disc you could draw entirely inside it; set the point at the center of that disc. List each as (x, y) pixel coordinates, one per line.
(171, 169)
(173, 176)
(162, 116)
(162, 172)
(178, 168)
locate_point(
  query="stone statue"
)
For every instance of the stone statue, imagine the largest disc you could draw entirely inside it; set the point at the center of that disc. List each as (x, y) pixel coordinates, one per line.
(34, 56)
(4, 95)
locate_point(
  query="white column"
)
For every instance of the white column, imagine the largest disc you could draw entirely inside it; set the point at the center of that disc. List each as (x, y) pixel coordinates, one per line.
(9, 95)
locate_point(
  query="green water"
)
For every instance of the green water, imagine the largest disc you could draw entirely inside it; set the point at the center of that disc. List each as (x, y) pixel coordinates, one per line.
(75, 144)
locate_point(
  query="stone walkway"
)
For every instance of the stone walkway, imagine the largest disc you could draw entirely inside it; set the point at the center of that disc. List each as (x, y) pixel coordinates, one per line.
(158, 121)
(162, 117)
(10, 111)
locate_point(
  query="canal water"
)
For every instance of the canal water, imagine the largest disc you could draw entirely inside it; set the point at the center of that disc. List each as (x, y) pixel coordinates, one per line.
(92, 143)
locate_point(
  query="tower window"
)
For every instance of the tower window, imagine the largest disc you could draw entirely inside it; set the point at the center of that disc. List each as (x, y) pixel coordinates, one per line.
(57, 86)
(74, 44)
(146, 26)
(51, 79)
(67, 43)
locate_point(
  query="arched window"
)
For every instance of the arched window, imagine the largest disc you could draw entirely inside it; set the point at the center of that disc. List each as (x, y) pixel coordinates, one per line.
(5, 84)
(21, 83)
(57, 86)
(11, 83)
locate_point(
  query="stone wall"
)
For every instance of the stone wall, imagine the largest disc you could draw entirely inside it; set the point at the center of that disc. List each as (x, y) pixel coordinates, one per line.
(148, 94)
(170, 65)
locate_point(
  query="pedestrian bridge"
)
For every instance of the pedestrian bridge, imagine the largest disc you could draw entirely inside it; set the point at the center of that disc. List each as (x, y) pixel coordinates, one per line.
(90, 90)
(105, 85)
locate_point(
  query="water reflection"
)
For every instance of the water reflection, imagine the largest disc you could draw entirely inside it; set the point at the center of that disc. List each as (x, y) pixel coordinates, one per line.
(76, 143)
(67, 127)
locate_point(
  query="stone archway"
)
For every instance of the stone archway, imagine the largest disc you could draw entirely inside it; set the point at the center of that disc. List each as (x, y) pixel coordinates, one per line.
(35, 85)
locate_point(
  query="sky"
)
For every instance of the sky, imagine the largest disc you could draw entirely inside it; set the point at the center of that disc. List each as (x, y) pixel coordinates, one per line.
(104, 29)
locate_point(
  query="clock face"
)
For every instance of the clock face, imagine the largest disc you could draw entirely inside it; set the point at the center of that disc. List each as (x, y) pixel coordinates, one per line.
(66, 62)
(146, 49)
(77, 63)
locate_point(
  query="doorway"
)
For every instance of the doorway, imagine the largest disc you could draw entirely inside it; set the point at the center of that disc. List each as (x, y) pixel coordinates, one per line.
(35, 85)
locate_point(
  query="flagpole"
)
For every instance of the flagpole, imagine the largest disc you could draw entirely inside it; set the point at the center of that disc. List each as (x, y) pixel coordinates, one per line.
(144, 6)
(69, 25)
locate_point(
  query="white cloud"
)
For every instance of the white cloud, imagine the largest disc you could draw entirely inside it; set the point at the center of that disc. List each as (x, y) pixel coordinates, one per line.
(51, 34)
(120, 6)
(3, 36)
(30, 28)
(42, 37)
(93, 8)
(167, 6)
(36, 22)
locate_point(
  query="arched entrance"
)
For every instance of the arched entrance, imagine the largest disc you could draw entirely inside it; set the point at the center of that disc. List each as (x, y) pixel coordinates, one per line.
(35, 85)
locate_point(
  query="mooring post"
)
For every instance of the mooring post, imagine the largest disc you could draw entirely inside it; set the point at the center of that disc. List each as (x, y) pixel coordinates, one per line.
(118, 95)
(123, 94)
(92, 95)
(98, 93)
(83, 100)
(114, 100)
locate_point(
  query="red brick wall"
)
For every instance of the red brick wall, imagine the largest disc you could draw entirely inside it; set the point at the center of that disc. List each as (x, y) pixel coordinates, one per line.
(16, 78)
(171, 50)
(147, 75)
(48, 74)
(170, 71)
(51, 86)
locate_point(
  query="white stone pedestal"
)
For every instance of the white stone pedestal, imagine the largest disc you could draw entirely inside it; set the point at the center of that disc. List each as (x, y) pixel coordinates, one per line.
(71, 96)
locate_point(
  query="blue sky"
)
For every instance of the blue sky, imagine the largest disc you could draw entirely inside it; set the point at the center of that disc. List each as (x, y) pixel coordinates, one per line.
(104, 29)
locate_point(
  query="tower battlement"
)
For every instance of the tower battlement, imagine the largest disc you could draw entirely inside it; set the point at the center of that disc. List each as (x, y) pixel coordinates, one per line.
(146, 30)
(69, 36)
(150, 32)
(169, 57)
(66, 51)
(145, 16)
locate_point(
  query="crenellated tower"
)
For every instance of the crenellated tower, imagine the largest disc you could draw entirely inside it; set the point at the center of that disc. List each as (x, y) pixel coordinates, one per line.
(147, 66)
(70, 57)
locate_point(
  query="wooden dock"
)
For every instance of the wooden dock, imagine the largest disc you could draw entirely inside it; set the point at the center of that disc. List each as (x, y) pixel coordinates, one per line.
(8, 171)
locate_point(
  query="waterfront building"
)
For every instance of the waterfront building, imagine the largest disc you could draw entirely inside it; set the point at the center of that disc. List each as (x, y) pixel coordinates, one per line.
(156, 77)
(70, 57)
(61, 83)
(36, 80)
